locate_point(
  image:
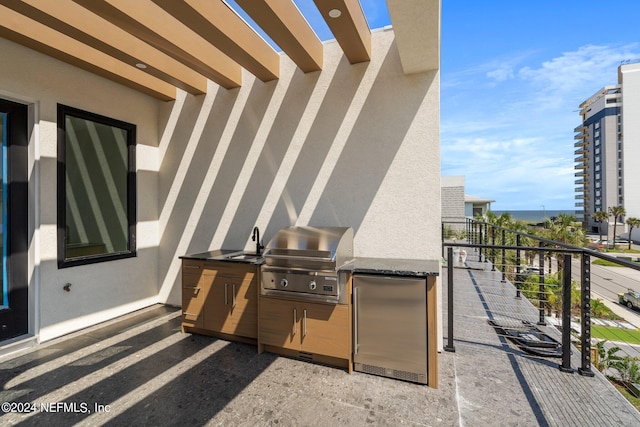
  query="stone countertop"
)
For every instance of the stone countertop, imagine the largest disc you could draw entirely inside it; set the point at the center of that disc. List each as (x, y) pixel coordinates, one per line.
(393, 267)
(221, 255)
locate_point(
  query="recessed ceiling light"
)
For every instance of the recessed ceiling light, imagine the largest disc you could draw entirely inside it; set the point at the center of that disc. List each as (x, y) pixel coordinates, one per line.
(334, 13)
(141, 65)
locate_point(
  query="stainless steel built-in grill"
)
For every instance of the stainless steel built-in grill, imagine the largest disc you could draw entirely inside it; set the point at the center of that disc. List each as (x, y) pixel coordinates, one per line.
(303, 263)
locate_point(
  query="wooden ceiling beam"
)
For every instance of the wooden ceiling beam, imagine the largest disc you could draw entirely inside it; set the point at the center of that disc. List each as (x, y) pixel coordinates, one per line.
(37, 36)
(350, 27)
(71, 19)
(286, 26)
(221, 26)
(151, 23)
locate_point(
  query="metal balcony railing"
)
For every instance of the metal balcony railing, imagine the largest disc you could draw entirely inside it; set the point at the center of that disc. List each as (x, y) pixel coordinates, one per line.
(532, 287)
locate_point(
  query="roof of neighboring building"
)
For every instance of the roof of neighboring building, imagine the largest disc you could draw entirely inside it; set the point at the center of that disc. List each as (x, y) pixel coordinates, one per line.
(475, 199)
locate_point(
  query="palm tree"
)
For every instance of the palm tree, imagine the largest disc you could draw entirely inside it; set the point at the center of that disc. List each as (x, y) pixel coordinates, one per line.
(565, 229)
(600, 216)
(616, 212)
(632, 223)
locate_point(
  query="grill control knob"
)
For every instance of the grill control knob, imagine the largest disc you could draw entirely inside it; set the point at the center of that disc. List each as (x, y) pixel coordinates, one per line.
(284, 283)
(312, 285)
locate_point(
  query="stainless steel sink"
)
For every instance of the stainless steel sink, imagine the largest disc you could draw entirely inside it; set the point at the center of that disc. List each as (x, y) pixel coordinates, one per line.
(243, 256)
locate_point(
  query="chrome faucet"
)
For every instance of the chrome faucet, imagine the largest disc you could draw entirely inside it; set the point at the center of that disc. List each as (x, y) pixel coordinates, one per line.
(256, 238)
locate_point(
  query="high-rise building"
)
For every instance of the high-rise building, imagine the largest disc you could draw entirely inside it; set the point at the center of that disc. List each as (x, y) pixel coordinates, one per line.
(608, 149)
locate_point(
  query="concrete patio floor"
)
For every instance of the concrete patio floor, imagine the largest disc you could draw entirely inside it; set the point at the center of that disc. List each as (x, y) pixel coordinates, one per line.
(141, 370)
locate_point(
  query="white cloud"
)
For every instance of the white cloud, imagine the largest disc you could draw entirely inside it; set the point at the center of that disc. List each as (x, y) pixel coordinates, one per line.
(588, 67)
(501, 74)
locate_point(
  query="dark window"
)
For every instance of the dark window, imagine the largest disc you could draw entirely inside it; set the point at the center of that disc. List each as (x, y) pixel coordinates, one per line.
(96, 188)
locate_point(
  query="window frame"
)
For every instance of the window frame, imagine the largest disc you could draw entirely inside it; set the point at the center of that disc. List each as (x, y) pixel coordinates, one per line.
(63, 261)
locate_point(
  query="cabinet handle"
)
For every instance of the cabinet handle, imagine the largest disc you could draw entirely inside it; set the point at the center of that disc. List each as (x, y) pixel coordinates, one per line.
(225, 293)
(233, 296)
(355, 321)
(304, 323)
(191, 287)
(197, 267)
(295, 318)
(184, 313)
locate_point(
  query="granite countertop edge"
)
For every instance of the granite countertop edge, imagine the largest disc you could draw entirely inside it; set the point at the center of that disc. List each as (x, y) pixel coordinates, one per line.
(393, 267)
(359, 265)
(220, 255)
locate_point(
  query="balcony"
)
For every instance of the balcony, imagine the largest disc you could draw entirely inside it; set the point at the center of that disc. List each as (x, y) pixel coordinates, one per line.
(579, 205)
(491, 284)
(579, 181)
(141, 370)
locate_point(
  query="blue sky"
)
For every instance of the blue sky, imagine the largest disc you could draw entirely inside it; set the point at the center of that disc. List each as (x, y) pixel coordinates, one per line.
(513, 73)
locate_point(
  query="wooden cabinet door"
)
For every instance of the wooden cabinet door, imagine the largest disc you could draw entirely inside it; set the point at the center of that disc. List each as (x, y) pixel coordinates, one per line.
(242, 299)
(325, 330)
(216, 304)
(279, 323)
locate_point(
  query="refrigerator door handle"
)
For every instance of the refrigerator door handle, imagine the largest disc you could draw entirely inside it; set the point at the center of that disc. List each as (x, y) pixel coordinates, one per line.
(355, 320)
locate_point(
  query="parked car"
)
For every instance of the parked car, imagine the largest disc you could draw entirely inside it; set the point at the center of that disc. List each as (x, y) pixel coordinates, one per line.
(617, 242)
(630, 298)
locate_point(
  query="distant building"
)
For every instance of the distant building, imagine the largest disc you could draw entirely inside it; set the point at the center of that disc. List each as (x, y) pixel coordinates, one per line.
(607, 145)
(456, 205)
(474, 206)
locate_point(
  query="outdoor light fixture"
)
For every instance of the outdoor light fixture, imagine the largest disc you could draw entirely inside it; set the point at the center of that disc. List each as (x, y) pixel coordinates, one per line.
(141, 65)
(334, 13)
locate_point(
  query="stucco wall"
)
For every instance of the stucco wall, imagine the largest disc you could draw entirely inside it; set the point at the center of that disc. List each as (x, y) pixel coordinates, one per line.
(99, 291)
(351, 145)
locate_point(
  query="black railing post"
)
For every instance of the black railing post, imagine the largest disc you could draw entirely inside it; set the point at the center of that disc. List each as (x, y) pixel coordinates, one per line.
(486, 240)
(493, 249)
(449, 346)
(541, 296)
(566, 315)
(518, 268)
(442, 238)
(467, 230)
(474, 236)
(479, 241)
(585, 316)
(504, 260)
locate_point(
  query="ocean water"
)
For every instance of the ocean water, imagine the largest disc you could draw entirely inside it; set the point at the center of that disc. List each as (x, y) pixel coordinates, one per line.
(535, 215)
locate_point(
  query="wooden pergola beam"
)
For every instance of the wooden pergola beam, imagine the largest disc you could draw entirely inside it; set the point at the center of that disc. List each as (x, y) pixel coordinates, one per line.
(286, 26)
(348, 24)
(149, 22)
(221, 26)
(37, 36)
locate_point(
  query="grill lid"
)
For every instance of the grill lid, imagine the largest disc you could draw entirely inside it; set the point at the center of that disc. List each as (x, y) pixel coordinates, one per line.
(305, 246)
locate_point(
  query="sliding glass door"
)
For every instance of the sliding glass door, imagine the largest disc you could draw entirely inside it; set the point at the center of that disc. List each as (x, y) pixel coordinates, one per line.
(14, 306)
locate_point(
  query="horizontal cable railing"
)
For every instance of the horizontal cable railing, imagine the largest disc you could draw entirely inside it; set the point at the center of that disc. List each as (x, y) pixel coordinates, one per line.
(538, 293)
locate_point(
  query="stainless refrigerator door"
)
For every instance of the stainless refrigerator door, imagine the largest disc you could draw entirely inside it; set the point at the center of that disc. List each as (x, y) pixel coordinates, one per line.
(390, 323)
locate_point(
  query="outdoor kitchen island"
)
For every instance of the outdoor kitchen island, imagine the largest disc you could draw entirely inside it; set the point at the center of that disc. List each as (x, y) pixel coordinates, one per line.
(223, 296)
